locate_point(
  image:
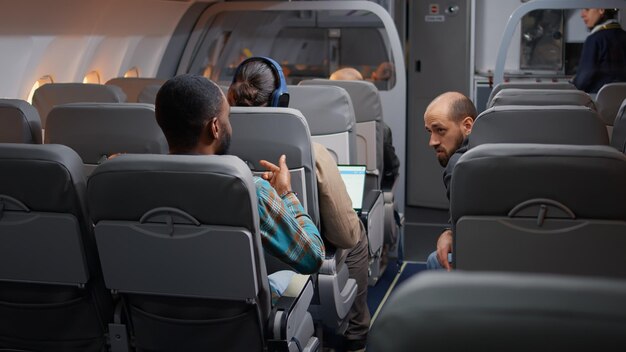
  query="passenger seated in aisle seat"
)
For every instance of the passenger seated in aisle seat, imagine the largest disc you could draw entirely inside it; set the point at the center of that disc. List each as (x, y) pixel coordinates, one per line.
(603, 58)
(193, 113)
(448, 119)
(391, 163)
(255, 82)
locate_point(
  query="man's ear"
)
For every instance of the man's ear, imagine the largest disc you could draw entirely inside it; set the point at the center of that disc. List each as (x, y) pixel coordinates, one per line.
(214, 129)
(466, 125)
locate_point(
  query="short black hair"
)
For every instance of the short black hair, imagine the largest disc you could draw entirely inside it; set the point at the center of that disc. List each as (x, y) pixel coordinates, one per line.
(183, 106)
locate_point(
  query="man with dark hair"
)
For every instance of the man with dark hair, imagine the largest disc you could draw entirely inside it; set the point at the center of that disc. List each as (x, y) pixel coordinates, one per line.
(193, 113)
(603, 58)
(448, 119)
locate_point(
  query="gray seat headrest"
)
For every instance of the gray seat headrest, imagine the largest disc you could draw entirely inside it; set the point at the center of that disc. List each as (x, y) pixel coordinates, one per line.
(368, 108)
(529, 85)
(493, 311)
(618, 139)
(539, 124)
(132, 86)
(608, 101)
(19, 122)
(327, 109)
(214, 189)
(148, 94)
(542, 97)
(46, 177)
(492, 179)
(49, 95)
(95, 130)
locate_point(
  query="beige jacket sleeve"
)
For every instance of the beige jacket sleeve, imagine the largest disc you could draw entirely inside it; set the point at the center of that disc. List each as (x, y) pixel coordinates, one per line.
(340, 224)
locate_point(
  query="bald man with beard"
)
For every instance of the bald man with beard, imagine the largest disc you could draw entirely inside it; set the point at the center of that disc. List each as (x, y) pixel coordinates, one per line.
(448, 119)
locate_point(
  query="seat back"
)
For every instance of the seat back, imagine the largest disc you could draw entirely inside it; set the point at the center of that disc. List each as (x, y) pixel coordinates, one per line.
(178, 237)
(541, 208)
(98, 130)
(527, 86)
(256, 136)
(369, 121)
(132, 86)
(50, 95)
(496, 311)
(539, 124)
(330, 115)
(148, 94)
(541, 97)
(618, 139)
(51, 289)
(19, 122)
(608, 101)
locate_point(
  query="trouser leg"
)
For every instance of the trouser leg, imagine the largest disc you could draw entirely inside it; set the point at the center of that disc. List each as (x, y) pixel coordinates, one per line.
(357, 261)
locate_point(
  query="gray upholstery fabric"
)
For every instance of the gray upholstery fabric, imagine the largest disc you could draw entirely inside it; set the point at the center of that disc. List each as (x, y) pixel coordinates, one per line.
(528, 85)
(618, 139)
(19, 122)
(328, 110)
(49, 95)
(542, 97)
(608, 101)
(133, 86)
(148, 94)
(266, 133)
(367, 107)
(536, 208)
(21, 177)
(463, 311)
(503, 175)
(178, 236)
(539, 124)
(51, 285)
(95, 130)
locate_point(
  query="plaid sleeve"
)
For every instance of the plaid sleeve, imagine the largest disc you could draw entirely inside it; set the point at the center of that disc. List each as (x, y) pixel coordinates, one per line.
(287, 231)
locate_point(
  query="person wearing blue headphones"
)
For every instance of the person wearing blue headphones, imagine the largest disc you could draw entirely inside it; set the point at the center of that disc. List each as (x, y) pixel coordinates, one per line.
(259, 81)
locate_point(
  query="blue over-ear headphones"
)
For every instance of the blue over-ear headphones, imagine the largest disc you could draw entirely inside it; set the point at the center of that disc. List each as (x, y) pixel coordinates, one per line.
(280, 96)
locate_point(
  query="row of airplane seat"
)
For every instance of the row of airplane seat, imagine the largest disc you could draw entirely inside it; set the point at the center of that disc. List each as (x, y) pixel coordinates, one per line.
(119, 115)
(607, 101)
(538, 216)
(191, 272)
(116, 90)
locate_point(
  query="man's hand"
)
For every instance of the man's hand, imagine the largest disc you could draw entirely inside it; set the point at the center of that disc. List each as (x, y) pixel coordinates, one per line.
(444, 246)
(278, 176)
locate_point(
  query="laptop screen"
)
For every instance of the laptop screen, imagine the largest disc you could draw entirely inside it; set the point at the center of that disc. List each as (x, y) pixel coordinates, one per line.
(354, 178)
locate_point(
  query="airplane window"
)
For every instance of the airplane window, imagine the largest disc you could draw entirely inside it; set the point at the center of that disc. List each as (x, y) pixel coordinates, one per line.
(40, 82)
(92, 77)
(132, 72)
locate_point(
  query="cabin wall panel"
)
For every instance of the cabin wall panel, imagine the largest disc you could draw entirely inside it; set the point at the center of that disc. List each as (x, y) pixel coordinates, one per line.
(68, 38)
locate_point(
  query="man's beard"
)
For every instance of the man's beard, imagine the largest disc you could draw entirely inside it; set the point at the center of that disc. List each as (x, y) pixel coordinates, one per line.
(224, 144)
(444, 158)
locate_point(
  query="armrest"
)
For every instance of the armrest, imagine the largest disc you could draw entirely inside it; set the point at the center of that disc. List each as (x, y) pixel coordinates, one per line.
(118, 335)
(333, 260)
(290, 309)
(369, 203)
(372, 216)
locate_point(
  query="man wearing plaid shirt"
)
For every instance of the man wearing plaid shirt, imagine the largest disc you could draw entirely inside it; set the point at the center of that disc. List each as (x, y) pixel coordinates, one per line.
(194, 116)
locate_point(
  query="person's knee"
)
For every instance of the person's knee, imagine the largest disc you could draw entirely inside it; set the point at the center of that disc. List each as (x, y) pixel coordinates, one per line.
(432, 263)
